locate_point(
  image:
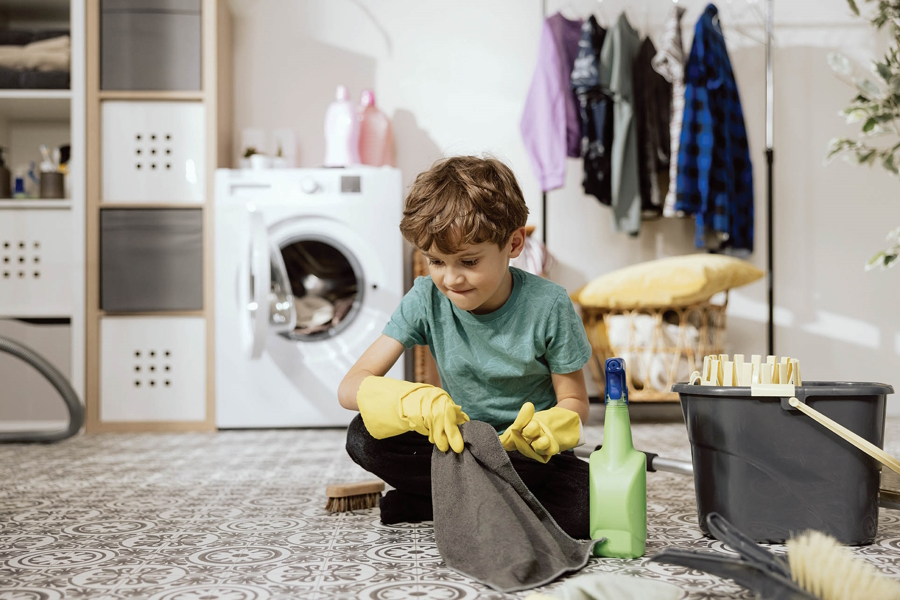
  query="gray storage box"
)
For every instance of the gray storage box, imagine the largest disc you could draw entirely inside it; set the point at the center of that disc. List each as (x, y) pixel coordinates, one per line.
(151, 259)
(150, 45)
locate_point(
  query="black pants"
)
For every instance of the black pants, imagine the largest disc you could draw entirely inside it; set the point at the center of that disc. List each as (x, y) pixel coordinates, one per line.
(404, 462)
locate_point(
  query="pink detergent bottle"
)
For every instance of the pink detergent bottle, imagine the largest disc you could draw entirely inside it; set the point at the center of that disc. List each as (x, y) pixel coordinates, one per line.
(375, 138)
(341, 131)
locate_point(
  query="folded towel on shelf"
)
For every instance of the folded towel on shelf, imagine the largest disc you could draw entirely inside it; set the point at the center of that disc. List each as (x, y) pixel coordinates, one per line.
(487, 523)
(45, 55)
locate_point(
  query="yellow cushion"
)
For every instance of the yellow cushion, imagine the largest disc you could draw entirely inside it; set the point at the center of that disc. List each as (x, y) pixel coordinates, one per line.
(676, 281)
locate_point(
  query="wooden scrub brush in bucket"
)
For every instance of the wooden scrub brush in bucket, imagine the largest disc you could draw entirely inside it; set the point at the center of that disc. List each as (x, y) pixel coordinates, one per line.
(817, 567)
(345, 497)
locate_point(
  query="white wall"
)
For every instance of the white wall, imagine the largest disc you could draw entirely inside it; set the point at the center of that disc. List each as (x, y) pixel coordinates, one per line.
(453, 77)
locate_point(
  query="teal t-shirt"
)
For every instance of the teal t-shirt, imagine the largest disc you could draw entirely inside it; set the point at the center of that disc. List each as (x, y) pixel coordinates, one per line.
(492, 364)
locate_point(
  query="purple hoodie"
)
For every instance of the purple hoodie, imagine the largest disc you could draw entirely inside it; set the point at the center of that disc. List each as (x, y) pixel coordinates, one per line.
(549, 125)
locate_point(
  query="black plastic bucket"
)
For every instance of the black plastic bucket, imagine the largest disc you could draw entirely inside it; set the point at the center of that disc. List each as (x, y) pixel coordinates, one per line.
(772, 471)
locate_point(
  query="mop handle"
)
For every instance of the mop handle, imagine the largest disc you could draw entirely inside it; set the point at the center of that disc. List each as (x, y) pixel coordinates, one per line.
(861, 443)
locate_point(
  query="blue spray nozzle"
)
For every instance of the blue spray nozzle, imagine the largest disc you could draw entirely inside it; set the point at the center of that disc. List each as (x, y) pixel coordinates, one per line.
(616, 388)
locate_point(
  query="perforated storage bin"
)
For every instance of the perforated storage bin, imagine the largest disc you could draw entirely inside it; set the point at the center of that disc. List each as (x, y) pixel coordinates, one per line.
(36, 262)
(152, 369)
(153, 151)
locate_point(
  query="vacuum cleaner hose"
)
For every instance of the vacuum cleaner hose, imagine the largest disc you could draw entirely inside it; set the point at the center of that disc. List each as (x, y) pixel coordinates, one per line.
(59, 381)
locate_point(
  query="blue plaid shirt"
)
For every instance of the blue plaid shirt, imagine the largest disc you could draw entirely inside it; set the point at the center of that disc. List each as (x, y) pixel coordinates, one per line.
(715, 177)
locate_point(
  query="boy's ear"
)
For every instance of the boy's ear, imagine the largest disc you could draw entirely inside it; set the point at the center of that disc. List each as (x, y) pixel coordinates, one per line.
(517, 242)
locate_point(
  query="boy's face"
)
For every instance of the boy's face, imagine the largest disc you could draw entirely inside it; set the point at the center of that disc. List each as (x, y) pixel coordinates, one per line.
(476, 278)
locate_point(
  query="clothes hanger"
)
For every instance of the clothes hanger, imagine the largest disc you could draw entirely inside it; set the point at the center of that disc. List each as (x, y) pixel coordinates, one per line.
(685, 10)
(735, 18)
(600, 15)
(644, 30)
(570, 11)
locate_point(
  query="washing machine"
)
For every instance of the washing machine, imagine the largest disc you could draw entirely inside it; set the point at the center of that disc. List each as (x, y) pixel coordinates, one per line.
(308, 270)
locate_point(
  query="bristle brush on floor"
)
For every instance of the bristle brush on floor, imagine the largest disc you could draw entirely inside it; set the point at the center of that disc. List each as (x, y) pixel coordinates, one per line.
(816, 567)
(345, 497)
(829, 571)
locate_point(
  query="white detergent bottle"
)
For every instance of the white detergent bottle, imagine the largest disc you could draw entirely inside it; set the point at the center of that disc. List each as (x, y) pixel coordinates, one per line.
(375, 137)
(341, 131)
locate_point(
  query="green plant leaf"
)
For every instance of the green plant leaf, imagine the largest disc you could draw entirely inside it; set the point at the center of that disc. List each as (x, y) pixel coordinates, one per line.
(868, 88)
(864, 156)
(840, 64)
(856, 115)
(876, 107)
(875, 262)
(894, 236)
(833, 150)
(835, 146)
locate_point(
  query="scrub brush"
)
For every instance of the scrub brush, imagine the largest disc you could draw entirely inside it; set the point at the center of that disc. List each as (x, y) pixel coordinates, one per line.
(829, 571)
(817, 567)
(353, 496)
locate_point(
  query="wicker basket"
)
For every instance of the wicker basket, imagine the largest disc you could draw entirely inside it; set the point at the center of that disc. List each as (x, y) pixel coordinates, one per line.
(679, 338)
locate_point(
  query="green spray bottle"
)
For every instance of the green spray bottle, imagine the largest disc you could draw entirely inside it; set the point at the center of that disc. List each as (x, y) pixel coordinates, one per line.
(618, 477)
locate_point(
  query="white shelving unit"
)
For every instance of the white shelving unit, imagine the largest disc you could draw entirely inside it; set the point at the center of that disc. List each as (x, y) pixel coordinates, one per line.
(27, 256)
(195, 125)
(35, 204)
(36, 105)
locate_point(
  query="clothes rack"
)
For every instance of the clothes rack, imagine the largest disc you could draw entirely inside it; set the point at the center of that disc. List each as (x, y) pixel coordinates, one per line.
(543, 193)
(770, 159)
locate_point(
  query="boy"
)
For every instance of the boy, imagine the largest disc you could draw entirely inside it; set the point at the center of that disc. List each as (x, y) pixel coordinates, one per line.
(508, 345)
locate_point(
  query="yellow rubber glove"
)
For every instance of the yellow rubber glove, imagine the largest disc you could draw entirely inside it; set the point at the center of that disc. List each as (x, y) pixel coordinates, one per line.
(540, 435)
(390, 407)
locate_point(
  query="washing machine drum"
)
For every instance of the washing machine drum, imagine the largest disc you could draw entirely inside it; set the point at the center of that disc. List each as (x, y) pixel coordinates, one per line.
(327, 284)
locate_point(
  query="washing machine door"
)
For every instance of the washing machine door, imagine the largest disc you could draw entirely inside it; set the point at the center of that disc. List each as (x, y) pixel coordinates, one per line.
(345, 289)
(268, 301)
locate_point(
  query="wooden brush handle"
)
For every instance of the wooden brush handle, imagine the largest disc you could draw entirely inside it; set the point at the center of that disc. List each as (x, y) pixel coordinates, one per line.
(342, 490)
(861, 443)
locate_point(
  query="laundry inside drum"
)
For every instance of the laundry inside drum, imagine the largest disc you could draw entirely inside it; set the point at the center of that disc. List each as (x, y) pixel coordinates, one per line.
(327, 285)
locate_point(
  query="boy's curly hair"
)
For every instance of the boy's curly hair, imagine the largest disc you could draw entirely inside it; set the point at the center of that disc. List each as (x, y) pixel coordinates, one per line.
(463, 200)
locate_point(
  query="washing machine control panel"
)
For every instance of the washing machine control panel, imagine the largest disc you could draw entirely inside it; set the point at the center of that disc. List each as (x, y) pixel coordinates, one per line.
(350, 184)
(309, 185)
(345, 184)
(319, 185)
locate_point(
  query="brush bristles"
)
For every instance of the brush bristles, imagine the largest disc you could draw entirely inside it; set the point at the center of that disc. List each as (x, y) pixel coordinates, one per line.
(829, 571)
(348, 503)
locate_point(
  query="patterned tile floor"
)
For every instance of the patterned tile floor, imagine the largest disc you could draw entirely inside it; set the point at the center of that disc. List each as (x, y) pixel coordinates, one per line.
(239, 515)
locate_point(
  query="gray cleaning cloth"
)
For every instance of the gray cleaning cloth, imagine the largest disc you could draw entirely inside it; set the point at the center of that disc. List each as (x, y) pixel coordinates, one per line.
(489, 526)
